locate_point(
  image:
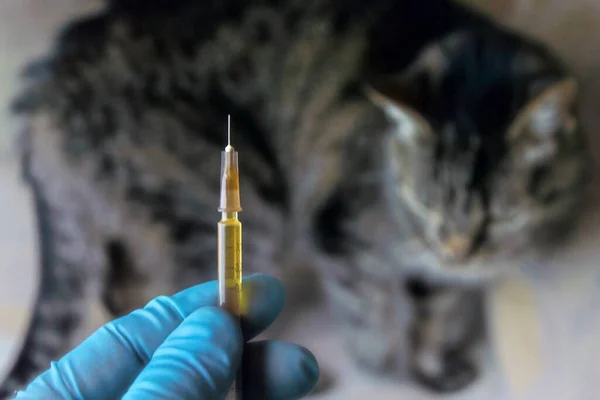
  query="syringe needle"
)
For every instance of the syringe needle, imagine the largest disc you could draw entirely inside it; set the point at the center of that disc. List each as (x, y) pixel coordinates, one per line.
(228, 130)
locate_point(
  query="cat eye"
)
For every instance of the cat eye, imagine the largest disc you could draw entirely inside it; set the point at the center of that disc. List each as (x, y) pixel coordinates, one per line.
(550, 197)
(508, 221)
(508, 215)
(537, 176)
(504, 209)
(541, 187)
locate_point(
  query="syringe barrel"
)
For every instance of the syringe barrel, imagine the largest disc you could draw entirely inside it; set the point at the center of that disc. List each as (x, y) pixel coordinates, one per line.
(230, 263)
(229, 257)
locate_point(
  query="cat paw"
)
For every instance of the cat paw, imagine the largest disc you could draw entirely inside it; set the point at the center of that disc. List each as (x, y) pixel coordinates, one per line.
(457, 373)
(380, 358)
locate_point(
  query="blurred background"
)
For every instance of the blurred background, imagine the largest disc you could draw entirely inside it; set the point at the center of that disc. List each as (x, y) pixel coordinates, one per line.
(545, 332)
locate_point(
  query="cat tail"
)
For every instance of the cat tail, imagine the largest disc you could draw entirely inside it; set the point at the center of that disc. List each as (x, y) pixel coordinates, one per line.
(64, 291)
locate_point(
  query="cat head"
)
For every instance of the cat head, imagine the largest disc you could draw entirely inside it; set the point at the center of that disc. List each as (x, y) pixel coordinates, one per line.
(484, 145)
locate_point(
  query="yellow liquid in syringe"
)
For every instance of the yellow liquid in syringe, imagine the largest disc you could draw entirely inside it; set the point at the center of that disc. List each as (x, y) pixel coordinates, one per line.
(230, 263)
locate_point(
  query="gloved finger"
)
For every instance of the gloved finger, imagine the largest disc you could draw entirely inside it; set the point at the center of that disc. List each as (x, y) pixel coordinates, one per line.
(109, 360)
(277, 370)
(197, 361)
(263, 300)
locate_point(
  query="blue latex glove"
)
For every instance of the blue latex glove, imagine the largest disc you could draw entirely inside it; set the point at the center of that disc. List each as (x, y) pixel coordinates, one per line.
(183, 347)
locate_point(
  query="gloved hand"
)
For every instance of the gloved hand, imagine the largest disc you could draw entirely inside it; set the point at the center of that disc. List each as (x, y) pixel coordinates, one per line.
(183, 347)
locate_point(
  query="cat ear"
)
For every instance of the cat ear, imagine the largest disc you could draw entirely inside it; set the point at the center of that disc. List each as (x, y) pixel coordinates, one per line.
(392, 96)
(398, 94)
(544, 119)
(434, 59)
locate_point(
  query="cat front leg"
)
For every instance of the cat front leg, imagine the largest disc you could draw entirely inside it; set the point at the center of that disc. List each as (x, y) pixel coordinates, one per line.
(375, 318)
(446, 327)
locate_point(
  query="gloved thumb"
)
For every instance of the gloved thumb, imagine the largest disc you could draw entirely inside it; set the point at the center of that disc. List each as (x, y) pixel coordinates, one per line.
(198, 360)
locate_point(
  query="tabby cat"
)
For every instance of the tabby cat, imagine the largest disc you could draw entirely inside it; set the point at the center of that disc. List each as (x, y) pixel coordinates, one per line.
(408, 150)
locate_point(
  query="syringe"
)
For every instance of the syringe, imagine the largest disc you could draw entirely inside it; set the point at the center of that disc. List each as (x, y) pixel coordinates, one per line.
(229, 242)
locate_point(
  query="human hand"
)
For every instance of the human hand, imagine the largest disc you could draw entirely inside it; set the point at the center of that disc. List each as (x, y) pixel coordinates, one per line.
(183, 347)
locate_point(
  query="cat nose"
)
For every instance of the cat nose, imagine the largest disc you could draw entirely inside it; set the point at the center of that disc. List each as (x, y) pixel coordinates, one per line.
(455, 247)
